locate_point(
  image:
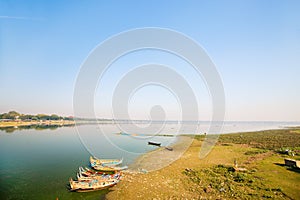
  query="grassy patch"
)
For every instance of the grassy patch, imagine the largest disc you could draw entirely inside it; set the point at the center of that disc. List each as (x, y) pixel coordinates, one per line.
(276, 174)
(223, 182)
(199, 137)
(271, 139)
(255, 152)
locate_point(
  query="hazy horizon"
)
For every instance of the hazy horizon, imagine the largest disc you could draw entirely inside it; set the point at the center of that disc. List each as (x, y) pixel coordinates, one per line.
(157, 120)
(255, 46)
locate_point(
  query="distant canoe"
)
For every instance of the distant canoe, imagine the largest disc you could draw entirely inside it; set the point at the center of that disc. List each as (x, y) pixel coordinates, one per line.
(105, 162)
(154, 143)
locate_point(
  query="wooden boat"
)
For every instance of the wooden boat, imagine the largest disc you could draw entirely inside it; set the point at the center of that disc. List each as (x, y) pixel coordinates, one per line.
(105, 162)
(89, 172)
(92, 185)
(109, 168)
(102, 177)
(154, 143)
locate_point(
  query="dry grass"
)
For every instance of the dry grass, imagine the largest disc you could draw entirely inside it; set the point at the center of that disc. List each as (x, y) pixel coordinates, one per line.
(266, 176)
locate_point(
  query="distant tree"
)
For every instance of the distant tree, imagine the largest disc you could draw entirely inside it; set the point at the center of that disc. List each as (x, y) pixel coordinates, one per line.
(54, 117)
(34, 118)
(5, 116)
(43, 117)
(26, 117)
(10, 115)
(15, 115)
(68, 118)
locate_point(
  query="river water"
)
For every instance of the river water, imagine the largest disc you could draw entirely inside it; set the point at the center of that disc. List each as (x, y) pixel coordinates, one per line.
(37, 164)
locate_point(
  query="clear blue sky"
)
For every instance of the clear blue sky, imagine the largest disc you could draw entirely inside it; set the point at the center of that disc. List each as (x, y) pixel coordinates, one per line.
(254, 44)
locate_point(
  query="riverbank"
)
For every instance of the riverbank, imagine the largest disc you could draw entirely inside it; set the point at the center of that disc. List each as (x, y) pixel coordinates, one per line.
(161, 157)
(12, 126)
(9, 124)
(214, 177)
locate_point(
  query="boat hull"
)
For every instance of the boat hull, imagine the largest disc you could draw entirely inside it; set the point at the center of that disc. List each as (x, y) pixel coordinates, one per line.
(109, 169)
(92, 189)
(154, 143)
(105, 162)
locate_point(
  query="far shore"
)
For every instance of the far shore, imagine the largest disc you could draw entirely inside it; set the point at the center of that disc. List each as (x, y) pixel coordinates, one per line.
(8, 124)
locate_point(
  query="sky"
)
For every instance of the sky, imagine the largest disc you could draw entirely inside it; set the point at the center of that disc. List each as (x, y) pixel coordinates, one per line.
(255, 46)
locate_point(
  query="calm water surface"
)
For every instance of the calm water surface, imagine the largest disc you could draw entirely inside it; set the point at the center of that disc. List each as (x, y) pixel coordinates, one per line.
(37, 164)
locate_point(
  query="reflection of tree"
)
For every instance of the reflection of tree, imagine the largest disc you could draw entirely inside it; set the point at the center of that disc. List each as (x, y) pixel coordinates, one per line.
(36, 127)
(39, 128)
(43, 127)
(8, 129)
(53, 127)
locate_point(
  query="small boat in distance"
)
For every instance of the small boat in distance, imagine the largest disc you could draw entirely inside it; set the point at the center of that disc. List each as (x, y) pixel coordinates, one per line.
(154, 143)
(105, 162)
(122, 133)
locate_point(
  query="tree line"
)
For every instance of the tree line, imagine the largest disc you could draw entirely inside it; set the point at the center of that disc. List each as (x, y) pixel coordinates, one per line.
(13, 115)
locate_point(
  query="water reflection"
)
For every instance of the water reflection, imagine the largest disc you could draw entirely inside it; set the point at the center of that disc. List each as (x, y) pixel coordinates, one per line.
(39, 127)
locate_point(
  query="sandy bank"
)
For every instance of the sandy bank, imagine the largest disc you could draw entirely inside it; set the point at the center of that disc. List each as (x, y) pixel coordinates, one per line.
(32, 123)
(161, 157)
